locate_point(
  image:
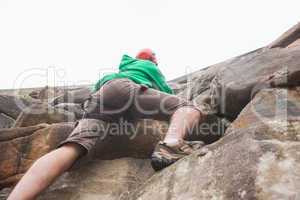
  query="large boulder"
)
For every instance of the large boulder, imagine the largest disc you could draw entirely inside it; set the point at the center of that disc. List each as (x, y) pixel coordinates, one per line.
(46, 93)
(99, 179)
(12, 105)
(6, 121)
(73, 96)
(20, 147)
(288, 39)
(43, 113)
(230, 85)
(233, 83)
(71, 107)
(258, 158)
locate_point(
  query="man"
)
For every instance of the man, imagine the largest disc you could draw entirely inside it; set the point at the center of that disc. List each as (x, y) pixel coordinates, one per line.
(137, 91)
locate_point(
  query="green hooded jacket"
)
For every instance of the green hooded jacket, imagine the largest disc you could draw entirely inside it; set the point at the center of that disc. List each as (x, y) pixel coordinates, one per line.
(139, 71)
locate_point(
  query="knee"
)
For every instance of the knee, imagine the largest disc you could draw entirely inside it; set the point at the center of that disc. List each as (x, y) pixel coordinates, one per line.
(73, 149)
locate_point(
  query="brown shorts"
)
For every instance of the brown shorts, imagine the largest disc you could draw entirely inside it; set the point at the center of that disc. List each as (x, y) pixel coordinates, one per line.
(121, 99)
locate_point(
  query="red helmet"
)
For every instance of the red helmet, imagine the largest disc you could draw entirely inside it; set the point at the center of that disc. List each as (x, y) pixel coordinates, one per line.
(147, 54)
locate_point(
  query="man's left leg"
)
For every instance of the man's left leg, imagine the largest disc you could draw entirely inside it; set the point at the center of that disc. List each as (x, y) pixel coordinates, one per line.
(182, 123)
(183, 116)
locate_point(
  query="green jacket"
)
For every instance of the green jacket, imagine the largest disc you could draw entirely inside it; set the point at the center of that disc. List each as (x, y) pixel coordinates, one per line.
(139, 71)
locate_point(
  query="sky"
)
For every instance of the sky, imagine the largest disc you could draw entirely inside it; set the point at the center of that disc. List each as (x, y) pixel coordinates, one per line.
(72, 42)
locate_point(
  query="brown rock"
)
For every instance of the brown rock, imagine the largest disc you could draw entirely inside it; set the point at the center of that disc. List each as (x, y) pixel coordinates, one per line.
(12, 105)
(233, 83)
(256, 159)
(6, 121)
(46, 93)
(99, 179)
(22, 146)
(71, 107)
(73, 96)
(289, 38)
(43, 113)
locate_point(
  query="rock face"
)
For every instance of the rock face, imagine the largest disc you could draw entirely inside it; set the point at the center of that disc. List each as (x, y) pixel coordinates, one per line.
(288, 39)
(104, 180)
(12, 105)
(6, 121)
(20, 147)
(42, 113)
(258, 158)
(73, 96)
(252, 141)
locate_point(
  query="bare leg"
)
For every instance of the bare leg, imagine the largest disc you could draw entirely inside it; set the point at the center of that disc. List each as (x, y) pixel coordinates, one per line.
(44, 171)
(182, 121)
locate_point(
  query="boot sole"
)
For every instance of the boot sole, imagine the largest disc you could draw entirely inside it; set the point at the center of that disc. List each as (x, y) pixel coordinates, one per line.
(160, 163)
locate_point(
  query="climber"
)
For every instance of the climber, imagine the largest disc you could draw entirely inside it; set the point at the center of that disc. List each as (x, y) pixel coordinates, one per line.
(137, 91)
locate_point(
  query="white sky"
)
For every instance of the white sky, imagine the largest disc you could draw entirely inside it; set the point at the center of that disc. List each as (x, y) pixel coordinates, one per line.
(80, 38)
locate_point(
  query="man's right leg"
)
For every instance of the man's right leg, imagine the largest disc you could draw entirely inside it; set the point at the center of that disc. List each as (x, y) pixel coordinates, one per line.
(45, 170)
(113, 96)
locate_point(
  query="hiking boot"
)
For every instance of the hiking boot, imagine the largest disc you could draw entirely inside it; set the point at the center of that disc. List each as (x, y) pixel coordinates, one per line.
(165, 155)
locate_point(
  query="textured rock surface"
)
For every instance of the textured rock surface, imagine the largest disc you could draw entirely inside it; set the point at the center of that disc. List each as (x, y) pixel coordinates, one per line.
(289, 38)
(237, 80)
(99, 179)
(73, 96)
(102, 180)
(19, 147)
(6, 121)
(43, 113)
(258, 158)
(46, 93)
(257, 95)
(71, 107)
(12, 105)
